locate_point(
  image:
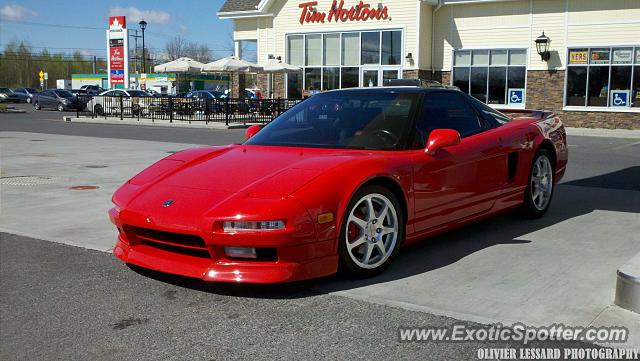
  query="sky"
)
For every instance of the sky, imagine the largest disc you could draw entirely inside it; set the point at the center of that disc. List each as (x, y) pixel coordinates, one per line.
(194, 20)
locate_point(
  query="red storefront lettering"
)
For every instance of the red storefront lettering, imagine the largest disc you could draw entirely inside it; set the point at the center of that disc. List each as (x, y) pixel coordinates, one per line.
(338, 13)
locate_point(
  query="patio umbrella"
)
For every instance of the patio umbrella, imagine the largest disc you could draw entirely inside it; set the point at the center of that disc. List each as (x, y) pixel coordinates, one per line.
(231, 64)
(276, 66)
(180, 65)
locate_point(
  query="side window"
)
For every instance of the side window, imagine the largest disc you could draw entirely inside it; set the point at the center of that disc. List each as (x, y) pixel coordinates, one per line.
(447, 110)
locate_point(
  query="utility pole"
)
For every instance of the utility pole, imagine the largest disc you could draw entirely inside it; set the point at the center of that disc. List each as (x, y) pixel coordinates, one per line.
(135, 37)
(94, 64)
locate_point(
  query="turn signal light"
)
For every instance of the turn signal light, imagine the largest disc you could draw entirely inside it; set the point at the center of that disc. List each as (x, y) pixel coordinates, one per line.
(240, 252)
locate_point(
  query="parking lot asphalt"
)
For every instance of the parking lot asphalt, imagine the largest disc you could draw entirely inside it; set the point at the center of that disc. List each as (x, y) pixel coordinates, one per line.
(557, 269)
(59, 302)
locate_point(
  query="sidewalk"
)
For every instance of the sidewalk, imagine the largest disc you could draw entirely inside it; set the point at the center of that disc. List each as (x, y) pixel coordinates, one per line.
(160, 122)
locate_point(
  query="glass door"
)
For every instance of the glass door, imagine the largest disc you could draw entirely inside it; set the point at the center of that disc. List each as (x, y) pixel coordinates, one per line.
(370, 77)
(375, 76)
(391, 74)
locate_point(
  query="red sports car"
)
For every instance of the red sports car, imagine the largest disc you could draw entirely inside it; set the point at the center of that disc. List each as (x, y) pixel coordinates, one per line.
(339, 182)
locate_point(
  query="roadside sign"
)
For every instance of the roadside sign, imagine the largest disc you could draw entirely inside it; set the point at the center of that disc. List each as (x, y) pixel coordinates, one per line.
(516, 96)
(41, 75)
(46, 76)
(619, 98)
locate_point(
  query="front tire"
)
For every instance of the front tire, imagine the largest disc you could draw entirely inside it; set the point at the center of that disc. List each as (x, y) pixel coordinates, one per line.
(37, 106)
(98, 109)
(28, 100)
(371, 232)
(60, 107)
(539, 191)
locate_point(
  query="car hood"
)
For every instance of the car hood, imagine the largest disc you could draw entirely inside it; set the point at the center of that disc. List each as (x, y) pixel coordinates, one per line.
(262, 171)
(198, 181)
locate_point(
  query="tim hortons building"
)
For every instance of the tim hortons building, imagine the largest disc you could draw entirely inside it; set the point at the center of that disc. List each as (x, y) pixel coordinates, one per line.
(589, 73)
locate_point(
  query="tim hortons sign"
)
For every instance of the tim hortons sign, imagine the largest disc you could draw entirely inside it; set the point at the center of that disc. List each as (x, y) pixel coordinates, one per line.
(340, 13)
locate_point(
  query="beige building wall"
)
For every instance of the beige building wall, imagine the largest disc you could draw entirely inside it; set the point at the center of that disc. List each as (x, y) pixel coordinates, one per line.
(516, 24)
(271, 31)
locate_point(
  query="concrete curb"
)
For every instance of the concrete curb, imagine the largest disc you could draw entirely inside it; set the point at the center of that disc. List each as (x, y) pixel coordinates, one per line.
(157, 123)
(607, 133)
(628, 285)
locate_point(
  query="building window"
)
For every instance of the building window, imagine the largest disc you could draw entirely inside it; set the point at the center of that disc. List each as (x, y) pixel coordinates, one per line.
(370, 49)
(487, 75)
(605, 77)
(343, 60)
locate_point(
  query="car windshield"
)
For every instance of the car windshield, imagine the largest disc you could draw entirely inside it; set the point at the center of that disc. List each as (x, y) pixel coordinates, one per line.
(64, 94)
(138, 93)
(352, 119)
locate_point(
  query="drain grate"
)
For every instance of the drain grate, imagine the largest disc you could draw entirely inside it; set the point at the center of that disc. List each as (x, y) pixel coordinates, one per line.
(96, 166)
(28, 180)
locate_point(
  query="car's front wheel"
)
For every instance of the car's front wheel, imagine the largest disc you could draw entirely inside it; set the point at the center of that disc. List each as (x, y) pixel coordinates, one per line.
(28, 100)
(98, 109)
(371, 232)
(539, 191)
(60, 107)
(37, 106)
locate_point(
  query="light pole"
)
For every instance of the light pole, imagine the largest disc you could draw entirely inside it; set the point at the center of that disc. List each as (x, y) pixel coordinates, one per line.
(143, 25)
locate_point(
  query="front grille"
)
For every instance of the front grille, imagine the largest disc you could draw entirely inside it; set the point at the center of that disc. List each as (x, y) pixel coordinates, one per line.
(186, 244)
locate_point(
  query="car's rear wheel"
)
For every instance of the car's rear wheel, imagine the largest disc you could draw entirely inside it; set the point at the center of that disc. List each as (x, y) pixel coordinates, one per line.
(372, 230)
(539, 191)
(37, 106)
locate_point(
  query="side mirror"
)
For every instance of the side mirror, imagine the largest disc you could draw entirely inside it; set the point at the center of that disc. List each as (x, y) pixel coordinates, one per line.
(252, 130)
(442, 138)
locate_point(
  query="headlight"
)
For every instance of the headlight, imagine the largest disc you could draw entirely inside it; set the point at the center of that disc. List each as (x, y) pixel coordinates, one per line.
(240, 226)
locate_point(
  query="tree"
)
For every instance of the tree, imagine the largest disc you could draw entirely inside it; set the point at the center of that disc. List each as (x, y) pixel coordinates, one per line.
(178, 47)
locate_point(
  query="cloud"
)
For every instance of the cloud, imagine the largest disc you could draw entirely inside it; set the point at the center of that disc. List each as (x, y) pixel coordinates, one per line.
(15, 13)
(134, 14)
(182, 29)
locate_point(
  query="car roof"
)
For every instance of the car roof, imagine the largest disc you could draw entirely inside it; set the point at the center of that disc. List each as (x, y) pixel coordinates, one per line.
(399, 89)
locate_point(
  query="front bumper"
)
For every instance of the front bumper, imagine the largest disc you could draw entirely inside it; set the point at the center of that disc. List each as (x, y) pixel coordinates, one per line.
(295, 260)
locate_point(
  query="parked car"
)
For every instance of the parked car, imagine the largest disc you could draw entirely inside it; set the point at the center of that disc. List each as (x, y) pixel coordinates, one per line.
(9, 96)
(59, 99)
(131, 101)
(340, 181)
(204, 101)
(90, 90)
(204, 94)
(27, 93)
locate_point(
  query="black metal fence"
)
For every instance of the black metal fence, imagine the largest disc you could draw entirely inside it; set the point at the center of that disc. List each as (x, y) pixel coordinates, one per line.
(224, 110)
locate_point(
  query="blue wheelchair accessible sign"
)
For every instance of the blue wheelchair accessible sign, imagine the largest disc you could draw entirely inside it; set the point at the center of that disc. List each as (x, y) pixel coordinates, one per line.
(516, 96)
(619, 98)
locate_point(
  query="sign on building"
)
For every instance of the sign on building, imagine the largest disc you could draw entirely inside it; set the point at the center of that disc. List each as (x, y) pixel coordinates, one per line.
(620, 98)
(516, 96)
(117, 51)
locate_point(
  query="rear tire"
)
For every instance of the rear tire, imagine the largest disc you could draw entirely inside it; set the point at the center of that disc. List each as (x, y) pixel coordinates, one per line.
(540, 187)
(37, 106)
(371, 232)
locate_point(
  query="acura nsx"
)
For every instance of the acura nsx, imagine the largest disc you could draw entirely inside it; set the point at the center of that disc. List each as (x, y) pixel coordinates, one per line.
(338, 182)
